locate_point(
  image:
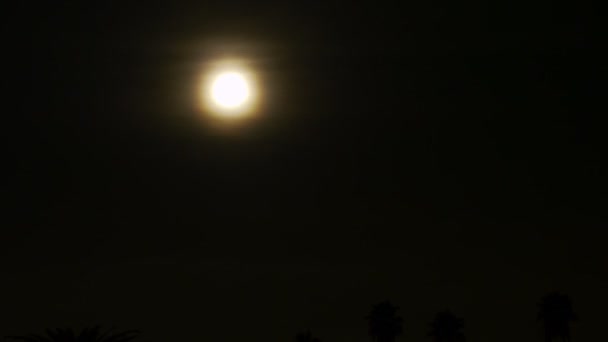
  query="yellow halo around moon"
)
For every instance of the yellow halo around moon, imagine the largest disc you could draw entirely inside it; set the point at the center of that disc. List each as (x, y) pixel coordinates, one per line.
(229, 91)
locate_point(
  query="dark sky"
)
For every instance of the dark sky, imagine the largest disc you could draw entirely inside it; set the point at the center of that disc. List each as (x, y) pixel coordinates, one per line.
(440, 154)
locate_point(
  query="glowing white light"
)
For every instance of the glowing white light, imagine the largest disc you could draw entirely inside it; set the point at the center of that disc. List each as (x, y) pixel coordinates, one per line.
(230, 90)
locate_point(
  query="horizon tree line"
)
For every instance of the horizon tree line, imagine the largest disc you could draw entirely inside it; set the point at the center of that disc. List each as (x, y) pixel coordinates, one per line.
(555, 311)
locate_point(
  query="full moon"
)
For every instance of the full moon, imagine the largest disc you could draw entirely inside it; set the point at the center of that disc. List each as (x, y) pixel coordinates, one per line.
(230, 90)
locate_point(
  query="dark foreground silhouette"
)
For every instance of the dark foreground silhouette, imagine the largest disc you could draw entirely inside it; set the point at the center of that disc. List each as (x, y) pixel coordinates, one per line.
(95, 334)
(306, 337)
(446, 327)
(556, 314)
(384, 323)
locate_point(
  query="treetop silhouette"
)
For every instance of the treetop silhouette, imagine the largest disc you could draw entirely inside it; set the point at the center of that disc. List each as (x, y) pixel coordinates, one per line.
(306, 337)
(446, 327)
(556, 313)
(384, 323)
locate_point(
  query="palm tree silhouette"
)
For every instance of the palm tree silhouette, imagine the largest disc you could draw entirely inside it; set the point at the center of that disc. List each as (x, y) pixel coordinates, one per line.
(94, 334)
(306, 337)
(446, 327)
(384, 324)
(556, 313)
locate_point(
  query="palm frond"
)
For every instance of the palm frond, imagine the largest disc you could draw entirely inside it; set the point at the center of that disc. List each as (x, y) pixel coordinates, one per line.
(93, 334)
(30, 338)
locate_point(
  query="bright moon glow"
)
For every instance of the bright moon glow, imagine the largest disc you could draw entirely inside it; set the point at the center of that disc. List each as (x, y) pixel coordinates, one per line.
(230, 90)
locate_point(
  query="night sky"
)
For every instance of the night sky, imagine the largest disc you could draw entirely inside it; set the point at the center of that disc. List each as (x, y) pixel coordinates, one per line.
(439, 154)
